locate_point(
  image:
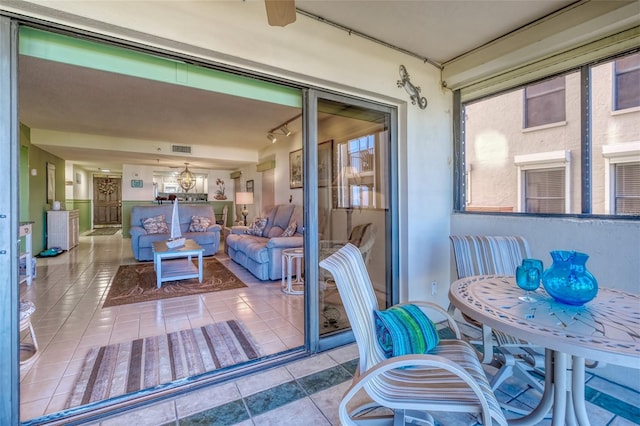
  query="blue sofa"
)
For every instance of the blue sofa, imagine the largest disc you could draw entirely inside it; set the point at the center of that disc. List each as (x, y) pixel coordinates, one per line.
(262, 255)
(142, 243)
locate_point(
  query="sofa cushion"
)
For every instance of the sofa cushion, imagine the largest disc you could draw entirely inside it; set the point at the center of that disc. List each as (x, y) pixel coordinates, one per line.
(257, 227)
(279, 219)
(199, 223)
(155, 225)
(291, 230)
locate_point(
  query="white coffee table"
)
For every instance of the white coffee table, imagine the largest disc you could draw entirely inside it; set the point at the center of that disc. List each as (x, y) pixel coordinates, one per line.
(176, 264)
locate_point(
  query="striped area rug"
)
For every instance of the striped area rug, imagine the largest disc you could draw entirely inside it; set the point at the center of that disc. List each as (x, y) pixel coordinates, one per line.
(122, 368)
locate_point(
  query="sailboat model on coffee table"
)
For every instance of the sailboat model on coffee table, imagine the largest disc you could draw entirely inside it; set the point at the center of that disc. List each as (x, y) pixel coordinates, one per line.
(176, 240)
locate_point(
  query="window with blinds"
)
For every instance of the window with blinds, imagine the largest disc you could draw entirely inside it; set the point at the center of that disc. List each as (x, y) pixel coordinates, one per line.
(627, 188)
(544, 191)
(545, 102)
(627, 82)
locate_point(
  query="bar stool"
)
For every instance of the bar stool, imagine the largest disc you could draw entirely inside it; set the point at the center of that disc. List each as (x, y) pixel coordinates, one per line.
(28, 351)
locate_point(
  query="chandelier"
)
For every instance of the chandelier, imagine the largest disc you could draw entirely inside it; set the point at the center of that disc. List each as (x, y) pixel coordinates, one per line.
(186, 179)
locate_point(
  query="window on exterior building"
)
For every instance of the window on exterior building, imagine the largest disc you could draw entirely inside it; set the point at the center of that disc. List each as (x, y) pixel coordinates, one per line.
(627, 82)
(545, 102)
(503, 164)
(544, 191)
(498, 150)
(627, 188)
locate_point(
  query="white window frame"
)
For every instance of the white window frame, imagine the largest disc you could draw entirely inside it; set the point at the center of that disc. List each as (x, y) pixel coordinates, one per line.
(616, 154)
(543, 160)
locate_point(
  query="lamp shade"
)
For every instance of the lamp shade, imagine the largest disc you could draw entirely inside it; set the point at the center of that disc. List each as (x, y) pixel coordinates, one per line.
(244, 198)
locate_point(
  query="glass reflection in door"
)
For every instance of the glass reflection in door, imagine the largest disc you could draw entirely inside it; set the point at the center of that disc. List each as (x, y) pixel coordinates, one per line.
(353, 194)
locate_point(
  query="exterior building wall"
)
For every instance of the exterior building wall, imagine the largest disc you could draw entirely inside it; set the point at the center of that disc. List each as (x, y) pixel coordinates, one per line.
(609, 127)
(495, 134)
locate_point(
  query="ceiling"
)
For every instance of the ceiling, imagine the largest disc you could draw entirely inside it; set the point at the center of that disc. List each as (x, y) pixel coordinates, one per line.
(63, 97)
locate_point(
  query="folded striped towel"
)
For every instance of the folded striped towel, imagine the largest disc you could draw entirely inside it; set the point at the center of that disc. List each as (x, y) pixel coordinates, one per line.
(405, 329)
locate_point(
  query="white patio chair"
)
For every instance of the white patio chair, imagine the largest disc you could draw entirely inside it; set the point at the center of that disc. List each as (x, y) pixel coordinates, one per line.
(448, 379)
(498, 255)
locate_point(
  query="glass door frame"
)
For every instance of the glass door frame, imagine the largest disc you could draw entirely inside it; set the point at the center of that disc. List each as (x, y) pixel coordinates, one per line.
(311, 97)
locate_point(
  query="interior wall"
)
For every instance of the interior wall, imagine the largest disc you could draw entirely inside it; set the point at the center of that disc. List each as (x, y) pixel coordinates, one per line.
(37, 191)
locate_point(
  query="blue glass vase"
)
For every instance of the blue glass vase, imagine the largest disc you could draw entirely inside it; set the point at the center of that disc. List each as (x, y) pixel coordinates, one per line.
(567, 279)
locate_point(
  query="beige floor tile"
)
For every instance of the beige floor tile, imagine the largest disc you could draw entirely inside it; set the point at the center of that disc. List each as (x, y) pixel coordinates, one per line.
(203, 399)
(261, 381)
(311, 365)
(328, 401)
(38, 390)
(300, 412)
(153, 415)
(33, 409)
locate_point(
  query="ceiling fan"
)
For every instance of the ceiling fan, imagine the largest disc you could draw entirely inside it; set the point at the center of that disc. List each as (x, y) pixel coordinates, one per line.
(280, 12)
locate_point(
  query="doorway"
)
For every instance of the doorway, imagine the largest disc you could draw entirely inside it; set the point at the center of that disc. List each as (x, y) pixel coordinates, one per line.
(107, 202)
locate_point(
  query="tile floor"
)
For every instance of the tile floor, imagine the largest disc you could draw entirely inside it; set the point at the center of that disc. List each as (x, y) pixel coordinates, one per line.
(69, 290)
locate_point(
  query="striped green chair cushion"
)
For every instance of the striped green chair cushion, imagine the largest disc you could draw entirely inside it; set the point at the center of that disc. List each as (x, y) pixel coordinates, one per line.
(405, 329)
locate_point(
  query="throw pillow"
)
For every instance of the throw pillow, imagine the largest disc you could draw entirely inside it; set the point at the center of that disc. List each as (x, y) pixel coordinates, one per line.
(257, 227)
(199, 224)
(291, 230)
(405, 329)
(155, 225)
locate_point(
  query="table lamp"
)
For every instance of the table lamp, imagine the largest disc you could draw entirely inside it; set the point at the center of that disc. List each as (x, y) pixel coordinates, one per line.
(244, 198)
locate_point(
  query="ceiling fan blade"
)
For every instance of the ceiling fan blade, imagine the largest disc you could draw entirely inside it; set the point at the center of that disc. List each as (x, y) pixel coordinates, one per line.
(280, 12)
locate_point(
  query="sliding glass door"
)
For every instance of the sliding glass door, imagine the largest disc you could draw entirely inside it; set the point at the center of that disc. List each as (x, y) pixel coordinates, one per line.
(354, 153)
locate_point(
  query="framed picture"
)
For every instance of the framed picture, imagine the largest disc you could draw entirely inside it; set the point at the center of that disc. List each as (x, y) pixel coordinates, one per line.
(51, 183)
(78, 178)
(325, 150)
(250, 186)
(295, 169)
(136, 183)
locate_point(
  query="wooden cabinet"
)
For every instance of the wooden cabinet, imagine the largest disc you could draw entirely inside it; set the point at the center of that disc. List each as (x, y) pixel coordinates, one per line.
(63, 228)
(26, 255)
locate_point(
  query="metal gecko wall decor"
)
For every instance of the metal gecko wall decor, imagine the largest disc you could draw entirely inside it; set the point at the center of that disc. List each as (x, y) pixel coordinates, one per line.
(413, 91)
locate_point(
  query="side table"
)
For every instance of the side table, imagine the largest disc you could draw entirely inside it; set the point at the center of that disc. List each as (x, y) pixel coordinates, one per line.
(289, 285)
(28, 351)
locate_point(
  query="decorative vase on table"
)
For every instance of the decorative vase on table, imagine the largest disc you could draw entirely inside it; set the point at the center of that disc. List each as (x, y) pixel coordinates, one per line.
(567, 279)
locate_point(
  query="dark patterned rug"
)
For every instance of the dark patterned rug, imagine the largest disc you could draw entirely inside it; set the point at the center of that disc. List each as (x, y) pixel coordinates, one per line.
(137, 283)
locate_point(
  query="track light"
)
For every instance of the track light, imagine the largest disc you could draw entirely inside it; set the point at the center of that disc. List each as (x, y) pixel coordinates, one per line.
(282, 128)
(285, 130)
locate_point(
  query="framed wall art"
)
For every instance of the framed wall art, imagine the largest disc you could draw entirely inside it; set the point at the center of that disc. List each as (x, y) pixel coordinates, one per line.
(250, 186)
(295, 169)
(136, 183)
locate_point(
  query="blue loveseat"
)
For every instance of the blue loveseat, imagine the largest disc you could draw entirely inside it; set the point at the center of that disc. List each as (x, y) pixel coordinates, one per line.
(142, 242)
(262, 254)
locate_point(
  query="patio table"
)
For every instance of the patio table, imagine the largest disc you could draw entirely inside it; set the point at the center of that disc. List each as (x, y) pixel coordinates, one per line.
(605, 329)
